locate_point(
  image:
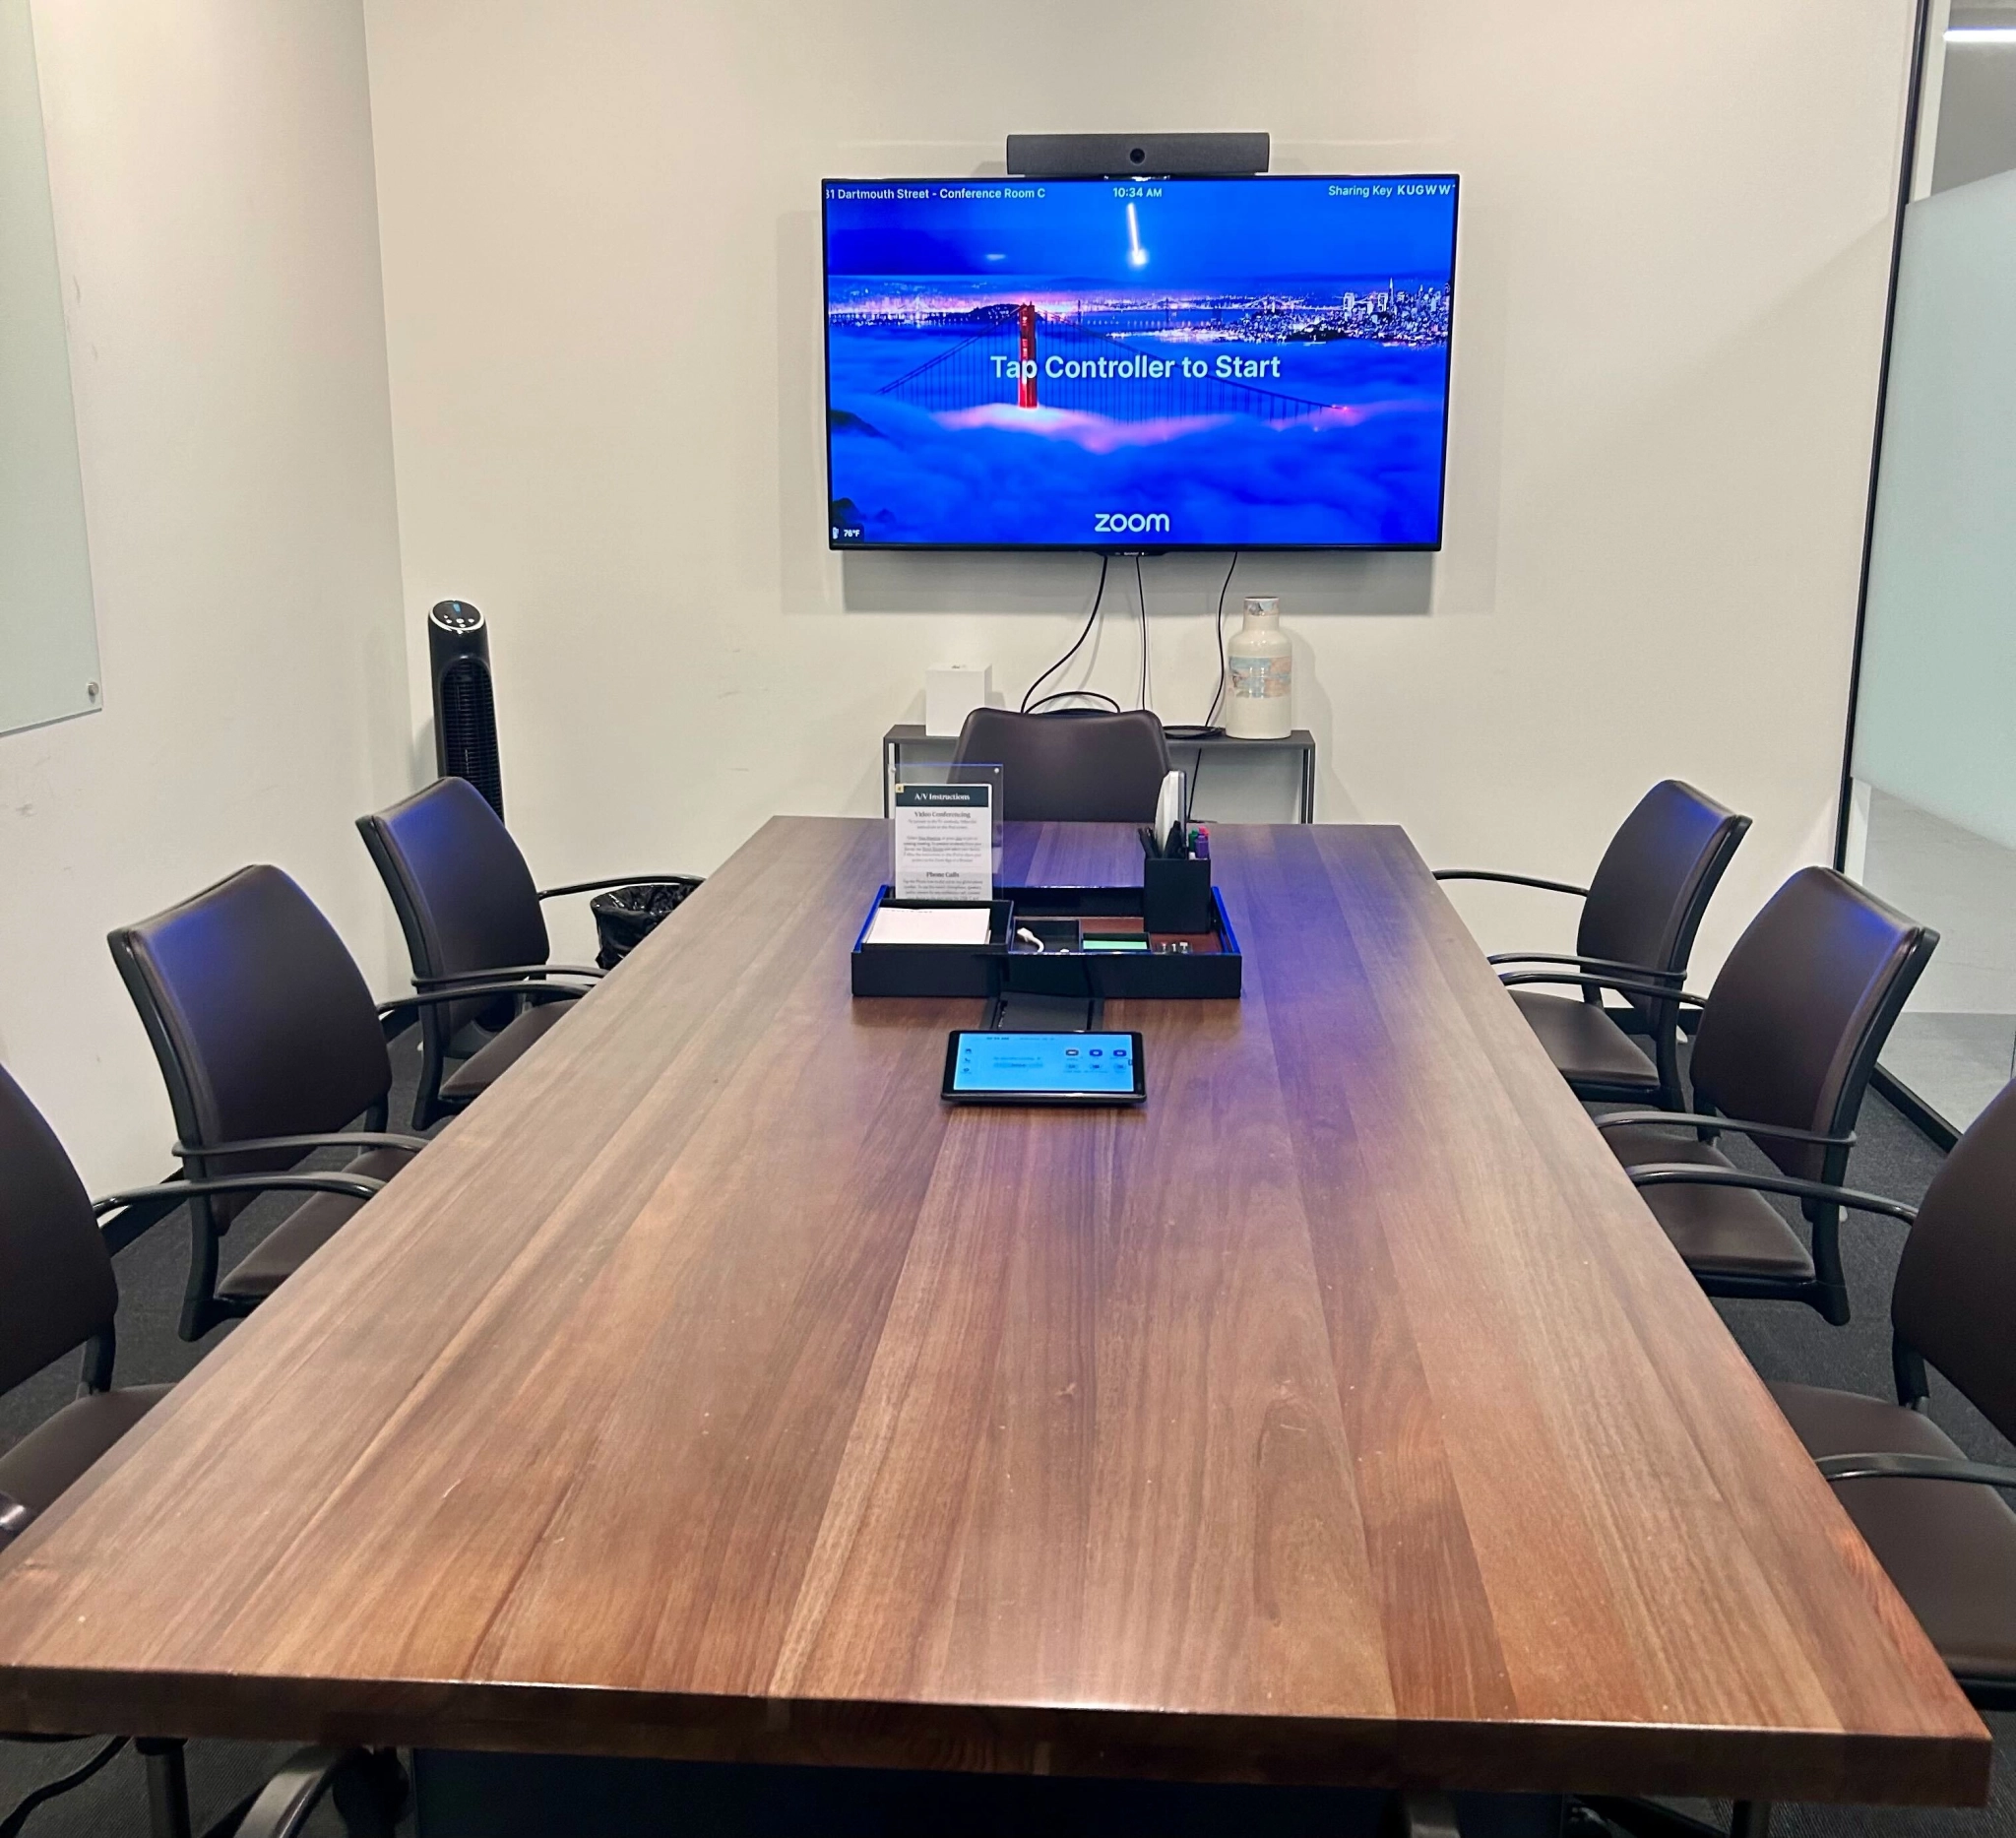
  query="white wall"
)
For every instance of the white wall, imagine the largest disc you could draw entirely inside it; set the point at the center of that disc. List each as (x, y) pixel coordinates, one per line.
(602, 300)
(600, 282)
(212, 174)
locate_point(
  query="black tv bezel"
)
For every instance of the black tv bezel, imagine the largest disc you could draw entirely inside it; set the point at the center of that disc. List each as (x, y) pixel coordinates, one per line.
(837, 547)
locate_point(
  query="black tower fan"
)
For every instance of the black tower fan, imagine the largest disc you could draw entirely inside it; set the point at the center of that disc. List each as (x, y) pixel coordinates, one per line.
(465, 712)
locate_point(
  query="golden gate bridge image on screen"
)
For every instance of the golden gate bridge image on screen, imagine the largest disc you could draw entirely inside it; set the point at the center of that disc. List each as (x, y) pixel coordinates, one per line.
(1007, 362)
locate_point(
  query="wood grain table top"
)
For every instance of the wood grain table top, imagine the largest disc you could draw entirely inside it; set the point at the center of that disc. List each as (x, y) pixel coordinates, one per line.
(711, 1390)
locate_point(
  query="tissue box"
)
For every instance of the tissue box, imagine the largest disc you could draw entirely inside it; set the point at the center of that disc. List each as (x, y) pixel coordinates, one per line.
(951, 691)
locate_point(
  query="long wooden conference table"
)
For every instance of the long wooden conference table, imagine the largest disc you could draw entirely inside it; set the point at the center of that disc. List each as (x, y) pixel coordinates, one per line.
(712, 1390)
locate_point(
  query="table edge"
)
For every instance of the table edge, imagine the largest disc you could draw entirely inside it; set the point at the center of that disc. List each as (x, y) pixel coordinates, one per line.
(1540, 1756)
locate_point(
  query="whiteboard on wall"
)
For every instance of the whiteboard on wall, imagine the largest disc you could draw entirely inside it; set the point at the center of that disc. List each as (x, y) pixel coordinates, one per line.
(48, 628)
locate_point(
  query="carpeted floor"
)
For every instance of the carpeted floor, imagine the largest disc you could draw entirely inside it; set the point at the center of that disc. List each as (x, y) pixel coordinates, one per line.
(1782, 1342)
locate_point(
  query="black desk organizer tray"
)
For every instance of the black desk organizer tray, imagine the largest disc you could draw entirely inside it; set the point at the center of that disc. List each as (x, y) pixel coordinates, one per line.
(1210, 970)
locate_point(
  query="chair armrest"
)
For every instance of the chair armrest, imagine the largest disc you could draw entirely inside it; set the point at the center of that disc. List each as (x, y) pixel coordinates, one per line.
(616, 880)
(469, 991)
(356, 1186)
(588, 971)
(1693, 1174)
(1644, 972)
(334, 1139)
(1694, 1119)
(1899, 1467)
(369, 1807)
(1624, 985)
(1511, 880)
(15, 1519)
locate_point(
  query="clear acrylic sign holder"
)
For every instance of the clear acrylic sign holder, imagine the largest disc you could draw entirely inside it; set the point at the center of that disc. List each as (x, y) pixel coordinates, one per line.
(941, 772)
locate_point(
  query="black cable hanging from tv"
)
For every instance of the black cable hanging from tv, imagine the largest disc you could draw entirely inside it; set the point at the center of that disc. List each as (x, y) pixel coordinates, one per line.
(1217, 626)
(1208, 728)
(1032, 703)
(1141, 601)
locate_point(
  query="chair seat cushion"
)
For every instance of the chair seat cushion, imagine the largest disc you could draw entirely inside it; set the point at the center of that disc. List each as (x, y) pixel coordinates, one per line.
(1720, 1230)
(50, 1457)
(304, 1231)
(484, 1067)
(1951, 1547)
(1585, 1043)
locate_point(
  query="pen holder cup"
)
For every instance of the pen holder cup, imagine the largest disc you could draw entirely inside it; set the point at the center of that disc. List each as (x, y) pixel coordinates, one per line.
(1176, 894)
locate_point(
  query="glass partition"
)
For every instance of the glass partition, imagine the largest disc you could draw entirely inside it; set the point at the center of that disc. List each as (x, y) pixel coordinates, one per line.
(1932, 818)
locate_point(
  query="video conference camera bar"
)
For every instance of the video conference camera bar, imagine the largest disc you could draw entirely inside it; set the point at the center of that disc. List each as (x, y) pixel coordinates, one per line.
(1119, 156)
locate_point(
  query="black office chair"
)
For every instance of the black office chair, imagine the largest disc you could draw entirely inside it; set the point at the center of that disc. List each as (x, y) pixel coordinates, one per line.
(1935, 1520)
(1788, 1040)
(471, 913)
(58, 1294)
(270, 1047)
(1639, 916)
(1073, 766)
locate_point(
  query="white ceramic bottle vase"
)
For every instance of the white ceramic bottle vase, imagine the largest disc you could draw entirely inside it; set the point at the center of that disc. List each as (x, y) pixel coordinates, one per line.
(1261, 666)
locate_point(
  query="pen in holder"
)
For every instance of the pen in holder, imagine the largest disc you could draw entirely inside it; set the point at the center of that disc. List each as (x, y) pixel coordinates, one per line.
(1176, 894)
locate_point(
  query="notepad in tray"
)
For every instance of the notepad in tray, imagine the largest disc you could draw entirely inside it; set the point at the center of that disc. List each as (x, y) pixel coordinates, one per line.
(927, 925)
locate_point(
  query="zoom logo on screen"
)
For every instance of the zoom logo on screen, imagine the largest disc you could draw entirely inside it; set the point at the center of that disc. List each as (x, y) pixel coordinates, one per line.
(1130, 523)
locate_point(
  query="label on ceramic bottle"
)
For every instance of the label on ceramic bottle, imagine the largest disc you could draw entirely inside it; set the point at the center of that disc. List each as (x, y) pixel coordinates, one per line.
(1261, 677)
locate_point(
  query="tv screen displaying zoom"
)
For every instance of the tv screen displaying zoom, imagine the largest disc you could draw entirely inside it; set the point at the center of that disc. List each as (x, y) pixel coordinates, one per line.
(1138, 363)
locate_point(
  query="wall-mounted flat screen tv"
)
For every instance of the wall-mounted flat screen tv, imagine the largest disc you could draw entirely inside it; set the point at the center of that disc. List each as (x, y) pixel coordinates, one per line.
(1138, 363)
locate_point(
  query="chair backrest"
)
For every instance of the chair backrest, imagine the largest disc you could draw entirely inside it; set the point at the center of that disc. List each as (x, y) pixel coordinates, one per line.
(56, 1286)
(464, 895)
(1955, 1299)
(1801, 1008)
(1072, 765)
(1655, 878)
(259, 1016)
